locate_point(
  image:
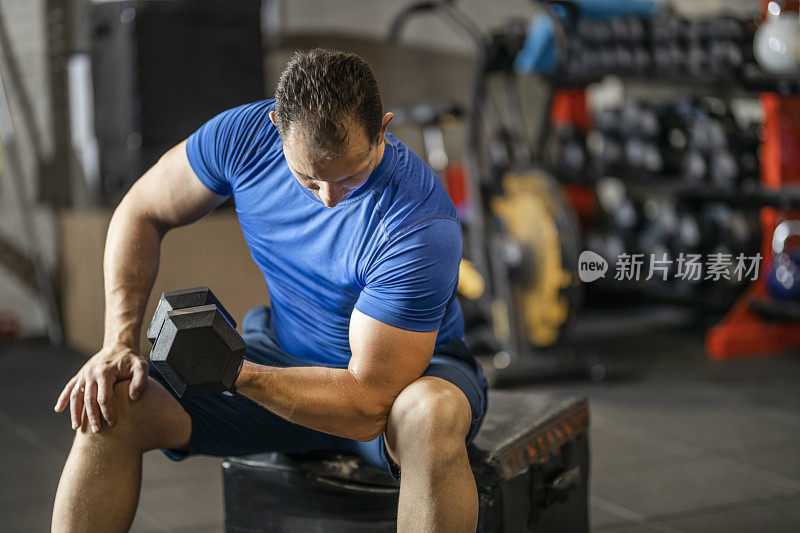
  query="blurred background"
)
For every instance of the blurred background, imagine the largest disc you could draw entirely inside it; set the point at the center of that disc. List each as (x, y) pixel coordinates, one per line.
(628, 177)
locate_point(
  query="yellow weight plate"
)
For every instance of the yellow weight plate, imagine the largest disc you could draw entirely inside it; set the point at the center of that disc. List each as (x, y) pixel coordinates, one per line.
(528, 209)
(470, 281)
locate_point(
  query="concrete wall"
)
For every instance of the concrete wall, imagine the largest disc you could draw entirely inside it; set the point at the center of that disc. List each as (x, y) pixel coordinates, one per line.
(24, 20)
(371, 19)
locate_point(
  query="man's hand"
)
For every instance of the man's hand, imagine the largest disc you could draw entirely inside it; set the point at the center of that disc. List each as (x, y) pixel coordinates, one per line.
(92, 387)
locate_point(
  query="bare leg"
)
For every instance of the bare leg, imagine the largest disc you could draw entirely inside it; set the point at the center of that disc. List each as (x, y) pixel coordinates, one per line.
(99, 487)
(425, 436)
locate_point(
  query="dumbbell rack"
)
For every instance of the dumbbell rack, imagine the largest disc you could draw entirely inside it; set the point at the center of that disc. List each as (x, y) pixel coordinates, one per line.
(755, 325)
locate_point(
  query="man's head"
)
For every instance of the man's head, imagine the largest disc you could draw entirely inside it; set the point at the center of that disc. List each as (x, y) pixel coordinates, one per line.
(328, 112)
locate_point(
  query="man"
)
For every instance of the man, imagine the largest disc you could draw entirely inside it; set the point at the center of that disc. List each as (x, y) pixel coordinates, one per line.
(361, 349)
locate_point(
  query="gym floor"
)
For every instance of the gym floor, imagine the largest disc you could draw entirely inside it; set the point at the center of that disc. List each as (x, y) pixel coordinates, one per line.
(678, 443)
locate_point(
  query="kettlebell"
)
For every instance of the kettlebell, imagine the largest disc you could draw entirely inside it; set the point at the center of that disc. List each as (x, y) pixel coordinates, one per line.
(783, 280)
(776, 41)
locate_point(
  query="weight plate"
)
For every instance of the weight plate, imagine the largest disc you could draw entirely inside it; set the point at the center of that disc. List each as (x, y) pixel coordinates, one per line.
(545, 284)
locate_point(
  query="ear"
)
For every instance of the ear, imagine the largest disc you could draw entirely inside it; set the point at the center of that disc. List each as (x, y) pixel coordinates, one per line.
(272, 118)
(384, 123)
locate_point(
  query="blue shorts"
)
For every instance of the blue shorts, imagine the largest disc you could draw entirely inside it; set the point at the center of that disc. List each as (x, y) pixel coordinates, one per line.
(234, 425)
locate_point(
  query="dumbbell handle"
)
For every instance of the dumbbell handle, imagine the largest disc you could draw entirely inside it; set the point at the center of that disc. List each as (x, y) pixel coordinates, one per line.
(232, 391)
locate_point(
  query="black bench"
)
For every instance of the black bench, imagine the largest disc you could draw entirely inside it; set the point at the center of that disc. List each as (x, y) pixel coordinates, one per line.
(530, 460)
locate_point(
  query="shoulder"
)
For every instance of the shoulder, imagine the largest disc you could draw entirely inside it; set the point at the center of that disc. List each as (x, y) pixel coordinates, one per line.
(413, 199)
(251, 119)
(229, 142)
(255, 109)
(429, 249)
(244, 122)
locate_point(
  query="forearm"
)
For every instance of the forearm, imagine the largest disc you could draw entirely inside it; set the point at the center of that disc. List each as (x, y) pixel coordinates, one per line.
(326, 399)
(130, 266)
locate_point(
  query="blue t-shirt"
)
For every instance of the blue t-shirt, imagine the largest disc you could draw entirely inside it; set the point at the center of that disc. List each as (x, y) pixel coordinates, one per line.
(391, 250)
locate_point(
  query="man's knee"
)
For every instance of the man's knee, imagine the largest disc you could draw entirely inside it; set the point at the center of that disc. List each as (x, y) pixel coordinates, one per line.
(155, 420)
(429, 411)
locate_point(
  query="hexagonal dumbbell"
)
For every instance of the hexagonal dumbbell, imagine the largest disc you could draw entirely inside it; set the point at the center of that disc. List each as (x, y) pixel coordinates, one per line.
(197, 349)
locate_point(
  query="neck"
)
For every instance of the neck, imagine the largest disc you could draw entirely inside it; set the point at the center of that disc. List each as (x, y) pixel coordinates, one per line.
(381, 149)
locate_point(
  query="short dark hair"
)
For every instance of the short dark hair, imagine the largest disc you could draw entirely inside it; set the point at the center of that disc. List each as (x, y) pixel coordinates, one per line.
(325, 91)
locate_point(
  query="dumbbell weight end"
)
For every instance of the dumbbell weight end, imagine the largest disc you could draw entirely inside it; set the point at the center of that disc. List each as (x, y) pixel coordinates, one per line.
(198, 351)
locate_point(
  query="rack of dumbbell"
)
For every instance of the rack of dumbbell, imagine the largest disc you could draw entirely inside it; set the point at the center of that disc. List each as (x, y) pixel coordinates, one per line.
(671, 178)
(689, 146)
(667, 47)
(667, 177)
(666, 233)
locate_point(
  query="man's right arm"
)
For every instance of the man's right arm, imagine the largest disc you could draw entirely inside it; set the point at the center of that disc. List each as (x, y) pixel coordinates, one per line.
(166, 196)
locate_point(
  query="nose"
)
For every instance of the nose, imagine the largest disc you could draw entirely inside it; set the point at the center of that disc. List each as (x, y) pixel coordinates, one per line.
(330, 195)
